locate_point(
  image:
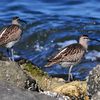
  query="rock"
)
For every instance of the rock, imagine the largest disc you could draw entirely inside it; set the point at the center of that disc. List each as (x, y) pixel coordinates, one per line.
(75, 89)
(27, 75)
(9, 91)
(11, 71)
(93, 81)
(44, 80)
(96, 96)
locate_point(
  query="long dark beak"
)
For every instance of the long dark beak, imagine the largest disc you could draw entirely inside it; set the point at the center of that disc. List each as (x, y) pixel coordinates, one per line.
(94, 40)
(22, 21)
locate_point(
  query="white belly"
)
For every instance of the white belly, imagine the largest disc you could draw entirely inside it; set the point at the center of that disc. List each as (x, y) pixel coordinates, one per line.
(67, 64)
(9, 45)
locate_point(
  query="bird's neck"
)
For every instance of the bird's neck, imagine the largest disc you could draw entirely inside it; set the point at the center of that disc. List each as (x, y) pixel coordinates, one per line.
(15, 22)
(84, 44)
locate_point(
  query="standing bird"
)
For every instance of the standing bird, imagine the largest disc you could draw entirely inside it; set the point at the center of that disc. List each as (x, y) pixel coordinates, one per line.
(10, 35)
(71, 55)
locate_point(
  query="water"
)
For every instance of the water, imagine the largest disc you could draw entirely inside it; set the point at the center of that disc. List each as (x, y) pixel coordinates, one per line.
(52, 25)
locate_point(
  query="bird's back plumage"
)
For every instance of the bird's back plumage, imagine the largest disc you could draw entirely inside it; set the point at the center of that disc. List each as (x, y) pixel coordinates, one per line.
(10, 33)
(70, 53)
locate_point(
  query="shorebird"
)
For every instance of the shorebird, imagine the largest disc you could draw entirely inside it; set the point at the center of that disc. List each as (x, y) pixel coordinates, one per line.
(10, 35)
(71, 55)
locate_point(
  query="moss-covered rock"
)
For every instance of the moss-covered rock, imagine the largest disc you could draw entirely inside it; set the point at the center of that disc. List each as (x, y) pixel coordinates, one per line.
(44, 80)
(27, 75)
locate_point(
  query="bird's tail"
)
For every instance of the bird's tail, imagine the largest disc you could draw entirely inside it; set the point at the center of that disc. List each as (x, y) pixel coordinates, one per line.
(49, 64)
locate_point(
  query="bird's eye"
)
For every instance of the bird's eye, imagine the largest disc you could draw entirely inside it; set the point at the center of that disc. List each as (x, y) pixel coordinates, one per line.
(86, 38)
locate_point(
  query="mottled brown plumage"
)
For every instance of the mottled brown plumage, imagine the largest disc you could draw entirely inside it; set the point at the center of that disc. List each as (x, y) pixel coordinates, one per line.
(71, 54)
(11, 34)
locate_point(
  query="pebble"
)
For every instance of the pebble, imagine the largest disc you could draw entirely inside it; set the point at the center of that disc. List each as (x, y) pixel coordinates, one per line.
(55, 95)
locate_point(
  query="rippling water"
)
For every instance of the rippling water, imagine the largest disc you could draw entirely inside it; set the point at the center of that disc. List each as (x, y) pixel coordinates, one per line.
(53, 24)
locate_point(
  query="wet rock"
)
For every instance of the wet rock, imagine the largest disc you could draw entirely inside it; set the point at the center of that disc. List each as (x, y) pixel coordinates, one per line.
(93, 81)
(96, 96)
(11, 71)
(27, 75)
(3, 56)
(9, 91)
(75, 89)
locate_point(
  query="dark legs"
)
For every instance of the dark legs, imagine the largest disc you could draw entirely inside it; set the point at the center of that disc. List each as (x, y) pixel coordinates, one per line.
(12, 52)
(8, 54)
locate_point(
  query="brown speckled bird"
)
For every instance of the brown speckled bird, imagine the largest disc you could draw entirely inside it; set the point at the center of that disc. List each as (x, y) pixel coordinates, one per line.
(71, 54)
(10, 35)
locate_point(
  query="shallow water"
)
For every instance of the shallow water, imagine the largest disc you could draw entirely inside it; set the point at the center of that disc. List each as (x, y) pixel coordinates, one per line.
(52, 25)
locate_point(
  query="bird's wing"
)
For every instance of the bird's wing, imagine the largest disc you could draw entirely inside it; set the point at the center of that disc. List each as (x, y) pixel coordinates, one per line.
(69, 53)
(10, 33)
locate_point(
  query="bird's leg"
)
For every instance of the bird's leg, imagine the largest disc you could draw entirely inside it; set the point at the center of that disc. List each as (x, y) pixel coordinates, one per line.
(70, 74)
(8, 54)
(12, 51)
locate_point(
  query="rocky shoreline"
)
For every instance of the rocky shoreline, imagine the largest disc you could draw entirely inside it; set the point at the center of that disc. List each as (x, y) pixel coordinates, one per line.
(22, 80)
(9, 91)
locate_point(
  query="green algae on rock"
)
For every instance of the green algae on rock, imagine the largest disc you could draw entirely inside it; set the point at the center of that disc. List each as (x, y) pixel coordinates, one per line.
(44, 80)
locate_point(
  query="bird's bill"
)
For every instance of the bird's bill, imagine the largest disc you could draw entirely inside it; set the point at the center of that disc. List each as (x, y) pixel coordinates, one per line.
(22, 21)
(94, 40)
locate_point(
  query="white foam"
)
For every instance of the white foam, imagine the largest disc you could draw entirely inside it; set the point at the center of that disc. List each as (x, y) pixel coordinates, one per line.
(39, 48)
(66, 43)
(16, 56)
(93, 55)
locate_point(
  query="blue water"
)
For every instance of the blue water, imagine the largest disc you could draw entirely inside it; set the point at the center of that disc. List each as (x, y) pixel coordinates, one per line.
(51, 25)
